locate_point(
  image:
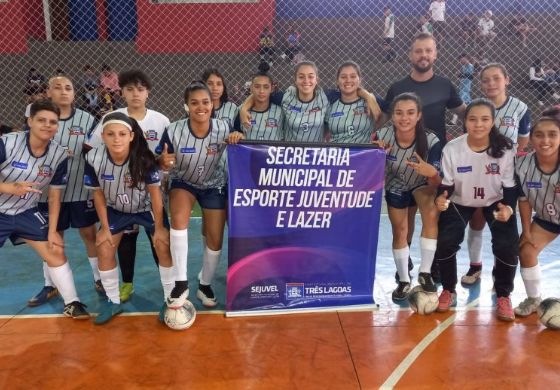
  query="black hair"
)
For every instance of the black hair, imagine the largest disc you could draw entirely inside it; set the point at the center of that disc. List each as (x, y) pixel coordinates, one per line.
(141, 160)
(43, 105)
(263, 66)
(497, 65)
(498, 142)
(262, 74)
(421, 139)
(134, 77)
(349, 63)
(213, 71)
(422, 36)
(196, 85)
(551, 114)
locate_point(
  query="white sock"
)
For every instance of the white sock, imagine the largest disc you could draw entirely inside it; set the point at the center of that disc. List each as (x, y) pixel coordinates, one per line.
(474, 243)
(210, 262)
(167, 276)
(401, 261)
(179, 246)
(110, 280)
(532, 280)
(427, 252)
(47, 276)
(63, 279)
(94, 263)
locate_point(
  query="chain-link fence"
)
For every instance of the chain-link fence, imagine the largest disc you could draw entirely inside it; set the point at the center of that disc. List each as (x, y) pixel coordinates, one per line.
(175, 40)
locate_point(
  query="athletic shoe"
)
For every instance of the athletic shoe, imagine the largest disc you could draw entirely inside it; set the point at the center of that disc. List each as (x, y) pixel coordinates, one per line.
(527, 307)
(206, 295)
(125, 291)
(472, 276)
(401, 292)
(410, 268)
(180, 296)
(43, 296)
(426, 281)
(99, 287)
(76, 310)
(108, 311)
(504, 309)
(446, 300)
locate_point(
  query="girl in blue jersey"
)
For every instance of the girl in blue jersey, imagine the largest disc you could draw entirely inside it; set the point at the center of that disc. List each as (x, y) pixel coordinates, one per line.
(192, 148)
(412, 177)
(125, 179)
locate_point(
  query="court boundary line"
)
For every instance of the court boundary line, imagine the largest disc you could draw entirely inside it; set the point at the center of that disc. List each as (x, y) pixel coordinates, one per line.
(411, 357)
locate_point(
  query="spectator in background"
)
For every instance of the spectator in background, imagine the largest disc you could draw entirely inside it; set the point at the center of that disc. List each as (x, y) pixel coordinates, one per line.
(538, 82)
(294, 45)
(87, 77)
(466, 77)
(266, 46)
(34, 78)
(389, 34)
(469, 27)
(109, 79)
(425, 25)
(437, 13)
(486, 28)
(5, 129)
(33, 93)
(521, 28)
(91, 99)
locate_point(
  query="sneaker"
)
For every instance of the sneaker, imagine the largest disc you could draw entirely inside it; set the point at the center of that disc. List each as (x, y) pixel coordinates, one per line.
(504, 309)
(446, 300)
(206, 295)
(43, 296)
(76, 310)
(107, 313)
(99, 287)
(426, 281)
(472, 276)
(527, 307)
(125, 291)
(410, 268)
(401, 292)
(180, 296)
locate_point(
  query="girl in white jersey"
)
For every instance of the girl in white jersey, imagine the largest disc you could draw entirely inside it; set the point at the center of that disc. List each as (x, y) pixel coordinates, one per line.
(411, 179)
(478, 173)
(538, 176)
(512, 120)
(125, 179)
(191, 148)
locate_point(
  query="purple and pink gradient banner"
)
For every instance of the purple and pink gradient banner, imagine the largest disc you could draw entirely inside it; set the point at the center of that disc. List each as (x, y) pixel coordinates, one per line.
(303, 226)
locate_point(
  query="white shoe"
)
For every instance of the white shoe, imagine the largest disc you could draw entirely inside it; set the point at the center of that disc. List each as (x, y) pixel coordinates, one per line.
(176, 303)
(527, 307)
(206, 300)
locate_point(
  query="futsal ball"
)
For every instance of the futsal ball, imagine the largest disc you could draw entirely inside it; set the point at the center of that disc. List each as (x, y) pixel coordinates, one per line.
(181, 318)
(549, 313)
(422, 302)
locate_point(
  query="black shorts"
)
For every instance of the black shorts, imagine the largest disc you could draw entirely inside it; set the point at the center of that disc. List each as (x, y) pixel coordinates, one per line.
(210, 198)
(548, 226)
(73, 214)
(30, 225)
(402, 199)
(120, 222)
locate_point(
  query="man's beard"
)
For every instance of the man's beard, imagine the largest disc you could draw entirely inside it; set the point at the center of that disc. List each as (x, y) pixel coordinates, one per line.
(422, 69)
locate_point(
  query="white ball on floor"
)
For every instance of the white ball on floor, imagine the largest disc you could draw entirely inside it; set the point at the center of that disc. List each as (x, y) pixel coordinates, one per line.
(549, 313)
(422, 302)
(181, 318)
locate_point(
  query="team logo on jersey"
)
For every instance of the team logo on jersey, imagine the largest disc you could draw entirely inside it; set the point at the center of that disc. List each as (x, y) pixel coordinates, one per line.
(188, 150)
(315, 109)
(212, 150)
(507, 121)
(151, 135)
(19, 165)
(437, 165)
(493, 169)
(534, 184)
(128, 179)
(45, 171)
(294, 108)
(295, 290)
(154, 176)
(360, 111)
(87, 180)
(271, 122)
(76, 130)
(464, 169)
(107, 177)
(337, 114)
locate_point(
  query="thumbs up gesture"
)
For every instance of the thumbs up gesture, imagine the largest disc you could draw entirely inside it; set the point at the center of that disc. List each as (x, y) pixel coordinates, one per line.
(166, 159)
(442, 203)
(503, 213)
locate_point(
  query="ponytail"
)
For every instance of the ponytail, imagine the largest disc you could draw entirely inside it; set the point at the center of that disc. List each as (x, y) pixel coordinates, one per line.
(141, 161)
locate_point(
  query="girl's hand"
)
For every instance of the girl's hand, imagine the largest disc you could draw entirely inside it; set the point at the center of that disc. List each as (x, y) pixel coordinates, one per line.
(504, 213)
(245, 118)
(381, 144)
(421, 167)
(55, 239)
(442, 203)
(235, 137)
(104, 235)
(161, 236)
(22, 188)
(166, 159)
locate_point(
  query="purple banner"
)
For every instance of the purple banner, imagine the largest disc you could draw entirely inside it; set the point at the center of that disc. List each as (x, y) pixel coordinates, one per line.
(303, 226)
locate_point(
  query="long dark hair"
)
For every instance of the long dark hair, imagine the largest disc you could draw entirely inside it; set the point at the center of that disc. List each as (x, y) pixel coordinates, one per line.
(213, 71)
(141, 160)
(421, 139)
(498, 142)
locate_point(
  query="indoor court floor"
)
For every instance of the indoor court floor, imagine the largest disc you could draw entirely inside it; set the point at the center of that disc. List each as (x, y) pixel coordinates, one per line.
(467, 348)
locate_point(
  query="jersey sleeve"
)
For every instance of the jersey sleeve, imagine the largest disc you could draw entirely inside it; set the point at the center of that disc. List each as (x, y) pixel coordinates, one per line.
(152, 178)
(332, 95)
(508, 179)
(2, 151)
(524, 125)
(520, 193)
(454, 98)
(447, 168)
(60, 177)
(277, 97)
(165, 140)
(90, 177)
(434, 156)
(237, 124)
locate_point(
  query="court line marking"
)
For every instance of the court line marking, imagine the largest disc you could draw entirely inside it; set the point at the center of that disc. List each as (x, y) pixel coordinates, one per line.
(403, 367)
